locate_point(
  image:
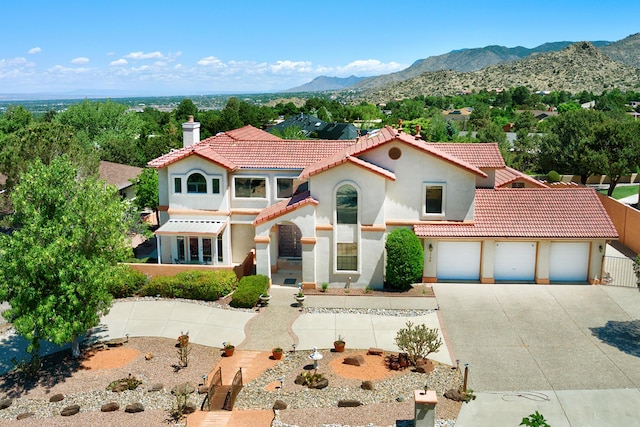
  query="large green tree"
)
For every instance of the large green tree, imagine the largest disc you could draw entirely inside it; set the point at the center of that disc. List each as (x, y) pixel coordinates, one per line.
(56, 267)
(147, 191)
(618, 147)
(405, 259)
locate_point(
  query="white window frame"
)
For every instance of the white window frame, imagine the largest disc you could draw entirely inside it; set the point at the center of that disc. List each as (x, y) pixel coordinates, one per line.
(356, 230)
(266, 190)
(275, 190)
(184, 177)
(440, 215)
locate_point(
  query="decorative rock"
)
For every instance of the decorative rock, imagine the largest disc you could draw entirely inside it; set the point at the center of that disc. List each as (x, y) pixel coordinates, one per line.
(56, 397)
(356, 360)
(424, 366)
(189, 408)
(115, 342)
(203, 389)
(376, 351)
(148, 356)
(5, 403)
(320, 384)
(109, 407)
(25, 415)
(70, 410)
(155, 387)
(119, 388)
(184, 388)
(134, 408)
(279, 405)
(299, 380)
(454, 394)
(367, 385)
(349, 403)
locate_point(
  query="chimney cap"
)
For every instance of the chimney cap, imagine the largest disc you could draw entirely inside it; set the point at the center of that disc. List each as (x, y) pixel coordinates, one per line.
(190, 119)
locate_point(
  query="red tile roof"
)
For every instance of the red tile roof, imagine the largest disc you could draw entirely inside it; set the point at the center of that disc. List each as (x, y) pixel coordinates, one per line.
(285, 206)
(482, 155)
(341, 158)
(386, 135)
(507, 175)
(531, 213)
(239, 149)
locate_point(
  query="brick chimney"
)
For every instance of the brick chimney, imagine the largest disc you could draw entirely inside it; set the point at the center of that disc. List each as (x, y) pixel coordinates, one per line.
(190, 132)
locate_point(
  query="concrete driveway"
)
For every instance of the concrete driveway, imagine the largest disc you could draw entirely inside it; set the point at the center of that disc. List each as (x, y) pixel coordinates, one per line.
(535, 337)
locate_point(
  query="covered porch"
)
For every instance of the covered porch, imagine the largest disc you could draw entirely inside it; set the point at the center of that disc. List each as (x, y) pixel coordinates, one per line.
(196, 241)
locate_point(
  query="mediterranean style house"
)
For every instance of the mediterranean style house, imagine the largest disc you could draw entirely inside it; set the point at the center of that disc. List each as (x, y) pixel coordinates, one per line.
(326, 207)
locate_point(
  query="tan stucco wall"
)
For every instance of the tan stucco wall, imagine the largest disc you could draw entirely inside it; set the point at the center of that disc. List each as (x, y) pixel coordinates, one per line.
(241, 241)
(626, 220)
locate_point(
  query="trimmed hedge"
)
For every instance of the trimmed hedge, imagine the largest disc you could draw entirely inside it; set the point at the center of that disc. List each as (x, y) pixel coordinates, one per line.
(126, 282)
(199, 285)
(249, 290)
(405, 259)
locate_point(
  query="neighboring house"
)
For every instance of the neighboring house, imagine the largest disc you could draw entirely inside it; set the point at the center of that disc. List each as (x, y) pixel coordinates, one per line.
(512, 178)
(328, 206)
(313, 127)
(120, 176)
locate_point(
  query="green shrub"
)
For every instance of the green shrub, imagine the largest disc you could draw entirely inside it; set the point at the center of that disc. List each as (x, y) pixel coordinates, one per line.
(199, 285)
(126, 282)
(554, 176)
(534, 420)
(405, 258)
(249, 290)
(418, 341)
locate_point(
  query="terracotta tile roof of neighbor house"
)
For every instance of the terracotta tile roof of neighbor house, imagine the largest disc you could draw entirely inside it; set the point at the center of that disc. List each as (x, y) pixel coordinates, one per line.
(507, 175)
(531, 212)
(482, 155)
(118, 174)
(294, 202)
(239, 149)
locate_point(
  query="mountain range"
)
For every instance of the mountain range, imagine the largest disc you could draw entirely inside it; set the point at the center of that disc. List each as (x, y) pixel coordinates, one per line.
(573, 67)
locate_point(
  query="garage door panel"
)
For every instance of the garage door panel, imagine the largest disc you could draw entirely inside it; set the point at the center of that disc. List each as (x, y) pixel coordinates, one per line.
(569, 262)
(515, 261)
(458, 261)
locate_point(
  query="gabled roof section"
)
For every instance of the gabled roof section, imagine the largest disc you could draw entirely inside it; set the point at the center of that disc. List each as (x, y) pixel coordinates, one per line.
(251, 148)
(386, 135)
(531, 213)
(481, 155)
(507, 175)
(115, 174)
(294, 202)
(345, 158)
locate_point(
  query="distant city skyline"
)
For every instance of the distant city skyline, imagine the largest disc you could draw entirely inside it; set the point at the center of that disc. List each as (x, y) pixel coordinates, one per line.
(159, 47)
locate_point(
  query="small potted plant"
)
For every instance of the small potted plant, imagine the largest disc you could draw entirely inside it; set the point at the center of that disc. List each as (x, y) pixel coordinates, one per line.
(300, 296)
(339, 344)
(265, 298)
(228, 349)
(277, 353)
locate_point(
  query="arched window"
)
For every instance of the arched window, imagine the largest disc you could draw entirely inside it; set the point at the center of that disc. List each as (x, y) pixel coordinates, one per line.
(347, 205)
(196, 183)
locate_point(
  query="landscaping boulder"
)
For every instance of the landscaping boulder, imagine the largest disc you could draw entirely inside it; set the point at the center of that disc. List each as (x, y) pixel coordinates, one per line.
(299, 379)
(70, 410)
(376, 351)
(203, 389)
(56, 397)
(5, 403)
(367, 385)
(454, 394)
(279, 405)
(134, 408)
(109, 407)
(356, 360)
(25, 415)
(189, 408)
(155, 387)
(119, 388)
(349, 403)
(424, 366)
(148, 356)
(320, 384)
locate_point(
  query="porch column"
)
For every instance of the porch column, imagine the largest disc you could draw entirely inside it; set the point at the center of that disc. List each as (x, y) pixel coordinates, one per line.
(263, 263)
(308, 262)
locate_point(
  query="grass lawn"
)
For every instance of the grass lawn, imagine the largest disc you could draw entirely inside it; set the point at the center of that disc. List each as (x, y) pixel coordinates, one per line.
(622, 191)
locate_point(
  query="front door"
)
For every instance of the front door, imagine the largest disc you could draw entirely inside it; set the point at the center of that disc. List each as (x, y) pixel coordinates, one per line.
(289, 241)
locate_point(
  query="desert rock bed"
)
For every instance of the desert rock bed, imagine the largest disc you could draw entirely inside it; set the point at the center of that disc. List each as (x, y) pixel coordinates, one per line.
(83, 382)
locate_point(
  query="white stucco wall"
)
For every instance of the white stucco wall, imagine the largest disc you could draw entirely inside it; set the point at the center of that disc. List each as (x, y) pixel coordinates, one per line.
(182, 169)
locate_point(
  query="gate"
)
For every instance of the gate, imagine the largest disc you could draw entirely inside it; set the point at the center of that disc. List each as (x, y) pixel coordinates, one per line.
(618, 271)
(232, 394)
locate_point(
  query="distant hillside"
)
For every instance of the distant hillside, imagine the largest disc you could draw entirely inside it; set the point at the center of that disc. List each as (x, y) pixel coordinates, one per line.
(580, 66)
(464, 60)
(626, 51)
(323, 83)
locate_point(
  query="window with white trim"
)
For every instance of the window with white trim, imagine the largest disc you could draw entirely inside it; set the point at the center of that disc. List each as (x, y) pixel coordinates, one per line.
(347, 256)
(433, 197)
(347, 205)
(246, 187)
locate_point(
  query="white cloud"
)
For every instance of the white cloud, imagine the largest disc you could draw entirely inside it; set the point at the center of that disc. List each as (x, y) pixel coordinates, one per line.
(369, 67)
(80, 60)
(143, 55)
(34, 50)
(119, 62)
(288, 67)
(59, 69)
(210, 61)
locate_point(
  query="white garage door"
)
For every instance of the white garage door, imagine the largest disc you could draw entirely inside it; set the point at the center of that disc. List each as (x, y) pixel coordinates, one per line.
(458, 261)
(515, 261)
(569, 262)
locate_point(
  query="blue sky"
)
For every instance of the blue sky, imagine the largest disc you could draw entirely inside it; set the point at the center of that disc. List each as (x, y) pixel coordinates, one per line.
(158, 47)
